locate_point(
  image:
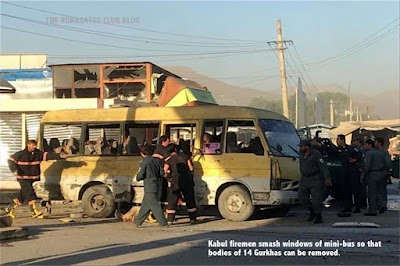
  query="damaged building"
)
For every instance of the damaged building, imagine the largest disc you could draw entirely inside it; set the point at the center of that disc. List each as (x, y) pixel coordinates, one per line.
(130, 82)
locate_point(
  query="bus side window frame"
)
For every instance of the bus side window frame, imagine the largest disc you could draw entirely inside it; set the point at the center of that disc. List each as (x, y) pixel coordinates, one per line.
(124, 124)
(167, 129)
(85, 134)
(223, 137)
(257, 129)
(81, 144)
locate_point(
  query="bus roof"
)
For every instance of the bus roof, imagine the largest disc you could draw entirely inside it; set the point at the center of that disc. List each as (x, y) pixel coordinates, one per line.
(158, 114)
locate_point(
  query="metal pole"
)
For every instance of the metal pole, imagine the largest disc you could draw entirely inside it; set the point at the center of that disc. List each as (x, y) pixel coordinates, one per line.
(285, 102)
(332, 114)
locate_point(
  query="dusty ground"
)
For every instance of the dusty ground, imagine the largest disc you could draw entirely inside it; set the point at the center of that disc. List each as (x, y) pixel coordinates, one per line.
(107, 241)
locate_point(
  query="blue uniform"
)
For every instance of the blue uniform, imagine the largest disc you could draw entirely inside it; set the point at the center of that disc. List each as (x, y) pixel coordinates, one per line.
(313, 173)
(151, 172)
(388, 165)
(375, 170)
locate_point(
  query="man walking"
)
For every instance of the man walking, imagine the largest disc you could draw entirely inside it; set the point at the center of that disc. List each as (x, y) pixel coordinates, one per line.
(313, 176)
(375, 171)
(25, 165)
(151, 172)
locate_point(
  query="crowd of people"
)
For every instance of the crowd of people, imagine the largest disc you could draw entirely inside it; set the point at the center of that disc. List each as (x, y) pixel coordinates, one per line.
(364, 175)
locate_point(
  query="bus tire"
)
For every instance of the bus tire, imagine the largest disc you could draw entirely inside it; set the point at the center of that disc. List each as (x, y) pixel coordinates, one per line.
(98, 202)
(235, 203)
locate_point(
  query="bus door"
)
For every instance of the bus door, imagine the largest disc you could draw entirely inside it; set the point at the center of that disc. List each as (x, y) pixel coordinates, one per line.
(134, 135)
(207, 158)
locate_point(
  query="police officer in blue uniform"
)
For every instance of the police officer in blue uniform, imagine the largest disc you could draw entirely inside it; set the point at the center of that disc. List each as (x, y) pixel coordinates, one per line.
(314, 174)
(375, 171)
(151, 172)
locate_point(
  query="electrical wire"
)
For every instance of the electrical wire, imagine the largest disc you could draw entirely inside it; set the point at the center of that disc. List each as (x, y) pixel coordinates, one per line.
(140, 29)
(123, 36)
(124, 47)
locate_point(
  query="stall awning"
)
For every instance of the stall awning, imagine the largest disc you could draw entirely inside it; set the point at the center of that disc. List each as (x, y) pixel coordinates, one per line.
(189, 95)
(346, 128)
(181, 92)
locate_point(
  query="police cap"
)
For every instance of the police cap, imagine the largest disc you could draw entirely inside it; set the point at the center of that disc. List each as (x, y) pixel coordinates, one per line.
(305, 142)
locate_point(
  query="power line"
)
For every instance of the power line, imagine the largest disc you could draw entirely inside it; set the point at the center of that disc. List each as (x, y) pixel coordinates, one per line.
(351, 53)
(140, 29)
(125, 37)
(124, 47)
(301, 73)
(291, 68)
(358, 46)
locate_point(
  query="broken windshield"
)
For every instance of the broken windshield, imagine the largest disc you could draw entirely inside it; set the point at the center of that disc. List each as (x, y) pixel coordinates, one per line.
(281, 137)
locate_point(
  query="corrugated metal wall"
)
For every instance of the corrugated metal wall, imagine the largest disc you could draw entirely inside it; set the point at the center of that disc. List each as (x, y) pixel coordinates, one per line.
(10, 141)
(11, 137)
(61, 132)
(33, 125)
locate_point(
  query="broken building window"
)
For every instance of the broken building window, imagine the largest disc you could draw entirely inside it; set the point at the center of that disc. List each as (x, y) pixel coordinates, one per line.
(112, 73)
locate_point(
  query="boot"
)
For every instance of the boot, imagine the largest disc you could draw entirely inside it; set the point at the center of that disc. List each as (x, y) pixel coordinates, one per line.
(47, 205)
(192, 216)
(383, 210)
(150, 218)
(34, 211)
(318, 219)
(170, 218)
(11, 208)
(312, 216)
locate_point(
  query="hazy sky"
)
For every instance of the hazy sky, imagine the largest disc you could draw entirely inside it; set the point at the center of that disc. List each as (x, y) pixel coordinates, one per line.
(230, 38)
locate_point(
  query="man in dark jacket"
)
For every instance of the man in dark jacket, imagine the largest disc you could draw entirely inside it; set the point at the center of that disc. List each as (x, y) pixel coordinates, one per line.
(161, 150)
(180, 181)
(162, 153)
(151, 172)
(25, 165)
(314, 175)
(355, 186)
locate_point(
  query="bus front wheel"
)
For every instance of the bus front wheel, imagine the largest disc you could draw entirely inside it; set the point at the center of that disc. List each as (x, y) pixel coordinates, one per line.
(98, 202)
(235, 203)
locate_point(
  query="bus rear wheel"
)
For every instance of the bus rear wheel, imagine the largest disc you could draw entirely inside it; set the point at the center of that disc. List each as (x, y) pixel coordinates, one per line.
(98, 202)
(235, 203)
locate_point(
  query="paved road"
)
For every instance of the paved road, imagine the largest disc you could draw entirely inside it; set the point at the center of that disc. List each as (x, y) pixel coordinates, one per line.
(108, 242)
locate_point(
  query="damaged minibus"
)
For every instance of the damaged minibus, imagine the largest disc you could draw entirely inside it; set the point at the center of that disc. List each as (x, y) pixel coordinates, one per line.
(244, 158)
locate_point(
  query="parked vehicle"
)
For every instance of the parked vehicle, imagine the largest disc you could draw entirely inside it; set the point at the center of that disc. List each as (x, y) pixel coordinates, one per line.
(249, 158)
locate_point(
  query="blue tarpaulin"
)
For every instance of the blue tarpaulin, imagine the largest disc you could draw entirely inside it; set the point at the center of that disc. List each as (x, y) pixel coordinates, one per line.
(34, 73)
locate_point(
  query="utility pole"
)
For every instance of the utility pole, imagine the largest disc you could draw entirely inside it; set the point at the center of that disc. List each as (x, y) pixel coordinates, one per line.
(332, 114)
(357, 114)
(280, 46)
(350, 104)
(282, 70)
